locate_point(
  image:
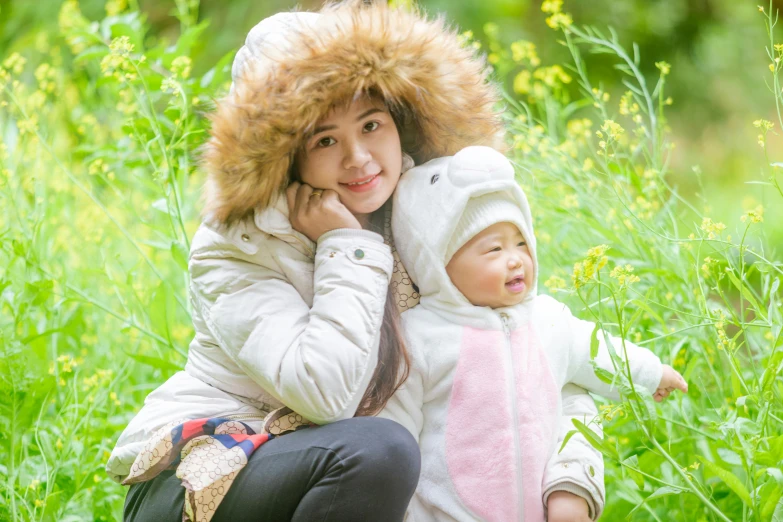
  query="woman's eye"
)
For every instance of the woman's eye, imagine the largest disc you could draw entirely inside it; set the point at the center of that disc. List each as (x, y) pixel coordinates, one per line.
(324, 142)
(371, 126)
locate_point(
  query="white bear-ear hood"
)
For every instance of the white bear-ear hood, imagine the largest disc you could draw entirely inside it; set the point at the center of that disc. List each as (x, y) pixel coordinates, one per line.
(428, 203)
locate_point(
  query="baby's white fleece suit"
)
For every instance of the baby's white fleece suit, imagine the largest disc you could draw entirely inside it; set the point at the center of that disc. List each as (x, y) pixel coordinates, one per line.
(484, 393)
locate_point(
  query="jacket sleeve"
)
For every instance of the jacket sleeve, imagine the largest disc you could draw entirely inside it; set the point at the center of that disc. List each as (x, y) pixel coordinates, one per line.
(578, 468)
(316, 360)
(646, 369)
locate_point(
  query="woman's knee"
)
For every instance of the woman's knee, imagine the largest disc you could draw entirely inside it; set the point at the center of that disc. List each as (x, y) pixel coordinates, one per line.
(385, 449)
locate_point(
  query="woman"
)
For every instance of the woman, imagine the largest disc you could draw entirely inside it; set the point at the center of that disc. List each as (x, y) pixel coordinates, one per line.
(296, 296)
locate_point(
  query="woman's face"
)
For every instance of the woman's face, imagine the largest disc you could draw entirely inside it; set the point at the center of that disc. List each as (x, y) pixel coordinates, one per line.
(355, 151)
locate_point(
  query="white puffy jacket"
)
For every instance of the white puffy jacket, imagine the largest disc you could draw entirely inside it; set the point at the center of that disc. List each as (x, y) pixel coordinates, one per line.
(278, 320)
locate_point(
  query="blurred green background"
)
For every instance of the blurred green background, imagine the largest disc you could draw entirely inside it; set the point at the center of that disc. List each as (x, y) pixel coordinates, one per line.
(715, 47)
(89, 315)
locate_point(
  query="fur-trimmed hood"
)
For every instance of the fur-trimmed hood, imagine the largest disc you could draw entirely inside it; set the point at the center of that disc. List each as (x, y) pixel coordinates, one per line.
(294, 67)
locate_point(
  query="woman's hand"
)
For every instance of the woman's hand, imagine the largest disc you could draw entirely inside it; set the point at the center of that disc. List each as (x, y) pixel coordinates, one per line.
(670, 380)
(313, 212)
(563, 506)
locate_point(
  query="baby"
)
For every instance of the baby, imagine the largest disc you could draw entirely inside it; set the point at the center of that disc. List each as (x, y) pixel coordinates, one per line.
(490, 356)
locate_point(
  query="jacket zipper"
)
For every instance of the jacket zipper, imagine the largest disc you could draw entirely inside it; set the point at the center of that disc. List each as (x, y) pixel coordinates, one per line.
(514, 413)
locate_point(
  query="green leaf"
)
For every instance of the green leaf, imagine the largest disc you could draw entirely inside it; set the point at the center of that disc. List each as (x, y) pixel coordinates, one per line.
(180, 254)
(566, 439)
(633, 462)
(605, 376)
(644, 306)
(597, 442)
(747, 294)
(768, 506)
(93, 52)
(730, 479)
(658, 493)
(155, 362)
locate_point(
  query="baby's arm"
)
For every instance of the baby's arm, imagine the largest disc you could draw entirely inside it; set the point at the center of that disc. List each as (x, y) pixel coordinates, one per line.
(579, 468)
(646, 369)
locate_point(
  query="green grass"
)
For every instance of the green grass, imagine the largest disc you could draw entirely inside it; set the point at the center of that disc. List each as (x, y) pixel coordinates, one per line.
(100, 190)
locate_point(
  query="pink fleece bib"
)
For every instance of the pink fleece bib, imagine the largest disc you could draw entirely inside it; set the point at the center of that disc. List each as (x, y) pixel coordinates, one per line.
(480, 427)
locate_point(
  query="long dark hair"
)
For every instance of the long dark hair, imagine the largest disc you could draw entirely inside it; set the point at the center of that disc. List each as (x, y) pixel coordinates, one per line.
(393, 362)
(393, 359)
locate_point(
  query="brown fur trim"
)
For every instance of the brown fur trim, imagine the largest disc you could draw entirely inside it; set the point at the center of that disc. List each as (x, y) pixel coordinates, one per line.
(417, 65)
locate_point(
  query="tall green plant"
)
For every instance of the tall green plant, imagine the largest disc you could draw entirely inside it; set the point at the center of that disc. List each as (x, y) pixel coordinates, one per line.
(658, 272)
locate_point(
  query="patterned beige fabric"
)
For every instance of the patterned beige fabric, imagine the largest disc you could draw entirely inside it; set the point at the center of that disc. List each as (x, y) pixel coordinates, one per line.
(405, 295)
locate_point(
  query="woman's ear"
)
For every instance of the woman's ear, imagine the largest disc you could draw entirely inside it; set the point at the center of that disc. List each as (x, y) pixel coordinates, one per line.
(407, 162)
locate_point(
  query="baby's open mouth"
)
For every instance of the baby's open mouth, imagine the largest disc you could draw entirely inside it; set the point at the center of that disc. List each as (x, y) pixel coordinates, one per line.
(516, 285)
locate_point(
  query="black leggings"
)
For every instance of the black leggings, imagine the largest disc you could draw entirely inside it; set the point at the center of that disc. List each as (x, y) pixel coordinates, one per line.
(357, 469)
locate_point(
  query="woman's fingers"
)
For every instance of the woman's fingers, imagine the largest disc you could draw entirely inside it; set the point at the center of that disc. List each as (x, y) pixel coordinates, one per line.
(290, 195)
(303, 196)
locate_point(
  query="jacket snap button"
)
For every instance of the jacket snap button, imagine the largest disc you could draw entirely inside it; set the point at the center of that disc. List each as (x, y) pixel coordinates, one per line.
(565, 464)
(245, 238)
(332, 254)
(359, 253)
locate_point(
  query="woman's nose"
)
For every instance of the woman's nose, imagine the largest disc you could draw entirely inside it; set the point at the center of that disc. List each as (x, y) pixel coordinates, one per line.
(357, 156)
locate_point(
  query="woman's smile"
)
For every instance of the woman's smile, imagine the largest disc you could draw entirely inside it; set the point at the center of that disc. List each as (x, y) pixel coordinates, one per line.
(364, 184)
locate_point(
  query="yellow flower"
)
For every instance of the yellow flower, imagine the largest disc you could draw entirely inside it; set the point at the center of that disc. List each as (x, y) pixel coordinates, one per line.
(755, 216)
(588, 164)
(664, 67)
(39, 503)
(763, 124)
(59, 444)
(522, 50)
(522, 82)
(624, 275)
(627, 105)
(28, 126)
(613, 129)
(552, 6)
(34, 484)
(115, 7)
(707, 266)
(181, 66)
(118, 62)
(15, 63)
(585, 270)
(560, 21)
(555, 283)
(552, 76)
(570, 201)
(98, 167)
(712, 228)
(169, 86)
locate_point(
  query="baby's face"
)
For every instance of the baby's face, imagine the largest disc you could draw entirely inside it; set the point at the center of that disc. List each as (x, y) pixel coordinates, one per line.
(494, 268)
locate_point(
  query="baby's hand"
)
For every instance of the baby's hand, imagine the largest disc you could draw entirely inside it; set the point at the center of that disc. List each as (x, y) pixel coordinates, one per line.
(670, 380)
(563, 506)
